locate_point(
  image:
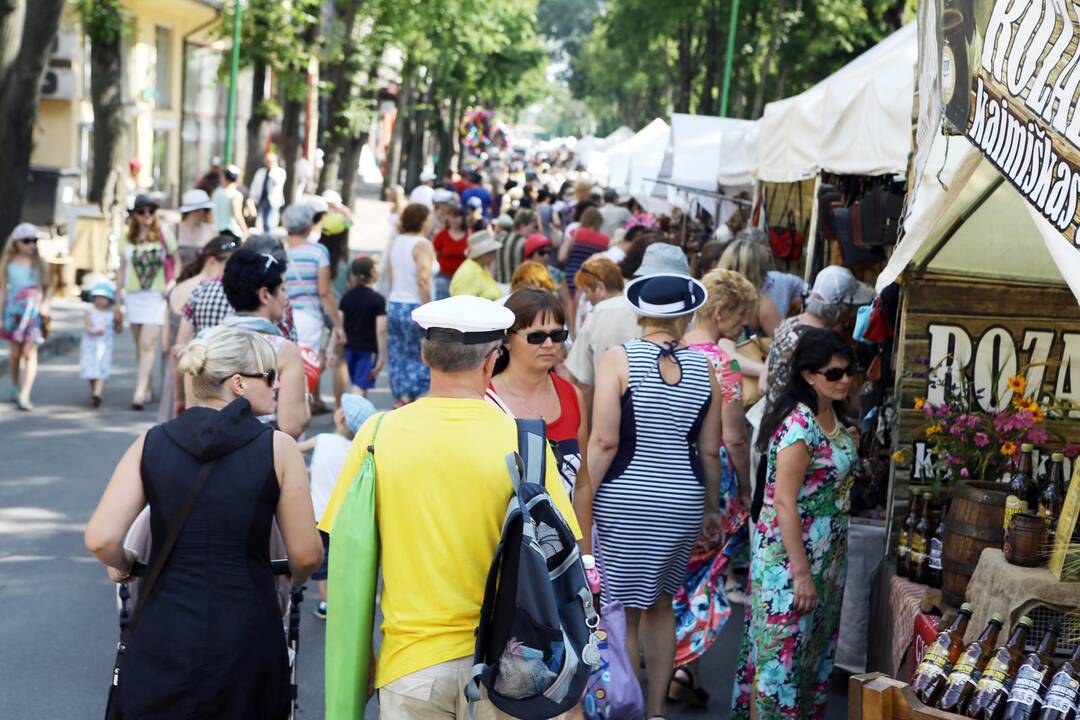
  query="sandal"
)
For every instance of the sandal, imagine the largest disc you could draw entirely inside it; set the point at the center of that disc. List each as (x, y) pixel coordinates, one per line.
(685, 689)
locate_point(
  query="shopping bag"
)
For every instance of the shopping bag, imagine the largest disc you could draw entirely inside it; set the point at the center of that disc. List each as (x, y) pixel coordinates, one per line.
(613, 691)
(351, 587)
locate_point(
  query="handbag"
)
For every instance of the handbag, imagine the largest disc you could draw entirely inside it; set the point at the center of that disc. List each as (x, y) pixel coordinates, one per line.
(786, 242)
(882, 208)
(112, 709)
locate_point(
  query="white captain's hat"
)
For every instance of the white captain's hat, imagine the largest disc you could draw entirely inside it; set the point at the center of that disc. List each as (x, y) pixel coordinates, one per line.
(466, 319)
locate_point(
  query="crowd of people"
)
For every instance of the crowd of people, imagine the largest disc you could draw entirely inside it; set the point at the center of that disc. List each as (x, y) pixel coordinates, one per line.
(520, 292)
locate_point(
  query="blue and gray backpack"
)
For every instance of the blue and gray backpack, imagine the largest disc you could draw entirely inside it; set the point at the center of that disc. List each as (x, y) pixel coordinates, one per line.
(536, 644)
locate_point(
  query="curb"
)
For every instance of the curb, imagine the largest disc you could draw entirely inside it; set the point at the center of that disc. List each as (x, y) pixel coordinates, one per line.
(59, 343)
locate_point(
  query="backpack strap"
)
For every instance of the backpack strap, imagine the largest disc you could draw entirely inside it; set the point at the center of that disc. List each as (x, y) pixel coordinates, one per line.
(375, 433)
(532, 444)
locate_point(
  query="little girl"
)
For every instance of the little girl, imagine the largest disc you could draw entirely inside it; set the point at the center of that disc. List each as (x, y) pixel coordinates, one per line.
(24, 303)
(96, 349)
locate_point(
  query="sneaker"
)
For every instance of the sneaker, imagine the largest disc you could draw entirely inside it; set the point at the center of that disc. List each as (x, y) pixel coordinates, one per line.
(320, 611)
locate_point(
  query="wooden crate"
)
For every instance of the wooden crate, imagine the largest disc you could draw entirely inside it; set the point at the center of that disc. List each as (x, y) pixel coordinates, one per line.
(879, 697)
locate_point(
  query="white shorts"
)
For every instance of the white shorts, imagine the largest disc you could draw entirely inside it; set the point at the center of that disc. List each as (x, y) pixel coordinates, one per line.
(309, 328)
(144, 307)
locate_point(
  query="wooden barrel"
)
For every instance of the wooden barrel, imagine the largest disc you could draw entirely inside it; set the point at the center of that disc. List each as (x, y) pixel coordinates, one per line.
(974, 523)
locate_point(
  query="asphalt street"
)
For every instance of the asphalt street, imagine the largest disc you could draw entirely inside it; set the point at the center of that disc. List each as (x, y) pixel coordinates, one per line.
(58, 625)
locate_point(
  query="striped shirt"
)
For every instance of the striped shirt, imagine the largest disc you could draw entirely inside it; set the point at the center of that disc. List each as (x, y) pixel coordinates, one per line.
(302, 276)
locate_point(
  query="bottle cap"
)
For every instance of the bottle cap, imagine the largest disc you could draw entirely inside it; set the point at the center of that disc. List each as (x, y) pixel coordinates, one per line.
(588, 561)
(1057, 457)
(1027, 447)
(926, 496)
(967, 608)
(1025, 621)
(997, 618)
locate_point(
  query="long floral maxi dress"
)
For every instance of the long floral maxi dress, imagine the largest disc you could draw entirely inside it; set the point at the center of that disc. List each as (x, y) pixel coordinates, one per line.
(786, 657)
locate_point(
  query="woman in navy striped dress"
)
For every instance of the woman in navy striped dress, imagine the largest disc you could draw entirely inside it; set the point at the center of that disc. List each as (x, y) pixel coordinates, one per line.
(655, 444)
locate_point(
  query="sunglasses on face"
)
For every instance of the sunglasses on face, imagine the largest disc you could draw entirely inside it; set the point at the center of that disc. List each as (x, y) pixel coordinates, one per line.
(144, 211)
(834, 374)
(28, 241)
(542, 252)
(268, 375)
(537, 337)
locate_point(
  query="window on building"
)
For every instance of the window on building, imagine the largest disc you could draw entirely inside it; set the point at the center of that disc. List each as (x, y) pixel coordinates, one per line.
(163, 67)
(160, 163)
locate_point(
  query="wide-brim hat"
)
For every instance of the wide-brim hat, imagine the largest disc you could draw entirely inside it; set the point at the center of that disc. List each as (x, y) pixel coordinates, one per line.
(193, 200)
(666, 295)
(481, 243)
(144, 200)
(663, 258)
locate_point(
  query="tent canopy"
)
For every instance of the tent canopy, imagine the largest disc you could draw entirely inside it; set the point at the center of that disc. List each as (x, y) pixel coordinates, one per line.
(636, 158)
(857, 121)
(966, 219)
(712, 151)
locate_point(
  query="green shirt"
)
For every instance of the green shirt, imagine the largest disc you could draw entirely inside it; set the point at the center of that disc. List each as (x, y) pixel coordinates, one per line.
(474, 279)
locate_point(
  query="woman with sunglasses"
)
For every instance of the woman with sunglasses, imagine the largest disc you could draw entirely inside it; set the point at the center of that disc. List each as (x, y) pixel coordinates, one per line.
(213, 613)
(24, 305)
(526, 385)
(799, 540)
(208, 264)
(148, 255)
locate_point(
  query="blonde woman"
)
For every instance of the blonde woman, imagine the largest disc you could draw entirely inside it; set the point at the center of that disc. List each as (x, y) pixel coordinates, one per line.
(148, 255)
(217, 581)
(780, 293)
(24, 305)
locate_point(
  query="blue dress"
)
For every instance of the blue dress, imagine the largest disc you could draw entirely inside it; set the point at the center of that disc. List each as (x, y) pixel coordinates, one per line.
(22, 305)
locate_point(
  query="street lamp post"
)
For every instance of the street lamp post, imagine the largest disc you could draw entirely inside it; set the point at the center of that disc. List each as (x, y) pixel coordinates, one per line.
(728, 59)
(234, 70)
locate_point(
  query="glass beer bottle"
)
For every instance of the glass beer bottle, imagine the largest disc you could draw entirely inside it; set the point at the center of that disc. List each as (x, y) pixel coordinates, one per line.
(1063, 695)
(1032, 679)
(992, 690)
(937, 661)
(965, 674)
(1022, 484)
(937, 547)
(903, 549)
(1052, 496)
(918, 545)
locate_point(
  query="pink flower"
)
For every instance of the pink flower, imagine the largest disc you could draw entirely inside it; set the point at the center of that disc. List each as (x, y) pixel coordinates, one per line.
(957, 429)
(971, 421)
(1071, 450)
(1038, 435)
(981, 440)
(957, 460)
(928, 410)
(964, 472)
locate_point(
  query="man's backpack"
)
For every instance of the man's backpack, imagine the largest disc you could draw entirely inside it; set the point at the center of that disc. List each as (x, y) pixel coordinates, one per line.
(536, 642)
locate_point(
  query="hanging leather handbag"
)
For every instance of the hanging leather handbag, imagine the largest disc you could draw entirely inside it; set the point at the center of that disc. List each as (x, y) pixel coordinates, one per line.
(852, 249)
(786, 241)
(882, 208)
(112, 709)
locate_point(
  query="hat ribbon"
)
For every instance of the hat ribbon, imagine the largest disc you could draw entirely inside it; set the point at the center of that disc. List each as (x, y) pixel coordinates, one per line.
(665, 308)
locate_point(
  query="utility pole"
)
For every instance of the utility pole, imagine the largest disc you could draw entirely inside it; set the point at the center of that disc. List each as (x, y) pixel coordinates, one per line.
(730, 56)
(234, 70)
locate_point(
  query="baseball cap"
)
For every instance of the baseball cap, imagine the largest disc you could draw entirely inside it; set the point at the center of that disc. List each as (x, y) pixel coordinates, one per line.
(836, 285)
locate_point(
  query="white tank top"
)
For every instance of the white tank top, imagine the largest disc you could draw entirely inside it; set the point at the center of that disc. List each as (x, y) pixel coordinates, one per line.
(403, 286)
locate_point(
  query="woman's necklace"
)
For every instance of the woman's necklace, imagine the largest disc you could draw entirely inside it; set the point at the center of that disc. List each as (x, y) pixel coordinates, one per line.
(831, 434)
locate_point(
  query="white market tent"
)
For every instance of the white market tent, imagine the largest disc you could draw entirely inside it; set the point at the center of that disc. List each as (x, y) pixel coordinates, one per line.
(966, 219)
(595, 159)
(857, 121)
(636, 158)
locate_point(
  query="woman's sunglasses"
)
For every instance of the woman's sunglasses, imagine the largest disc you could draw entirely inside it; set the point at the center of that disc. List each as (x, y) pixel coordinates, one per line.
(28, 241)
(542, 252)
(537, 337)
(834, 374)
(144, 211)
(268, 375)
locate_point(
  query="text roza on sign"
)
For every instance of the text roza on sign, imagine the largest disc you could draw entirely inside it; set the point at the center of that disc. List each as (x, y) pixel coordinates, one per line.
(1025, 117)
(953, 349)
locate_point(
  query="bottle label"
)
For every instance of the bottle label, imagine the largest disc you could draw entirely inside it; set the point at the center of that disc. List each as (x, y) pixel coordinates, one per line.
(1027, 688)
(964, 673)
(935, 662)
(935, 554)
(994, 678)
(1063, 692)
(918, 545)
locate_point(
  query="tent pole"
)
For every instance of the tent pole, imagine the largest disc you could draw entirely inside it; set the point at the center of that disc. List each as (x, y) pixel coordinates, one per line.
(811, 240)
(960, 220)
(729, 56)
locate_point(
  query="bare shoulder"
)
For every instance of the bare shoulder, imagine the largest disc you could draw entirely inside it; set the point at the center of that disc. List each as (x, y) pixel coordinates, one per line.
(283, 442)
(288, 353)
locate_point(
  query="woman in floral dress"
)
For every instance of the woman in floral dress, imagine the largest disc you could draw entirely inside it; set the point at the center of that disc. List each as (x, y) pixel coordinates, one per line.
(799, 542)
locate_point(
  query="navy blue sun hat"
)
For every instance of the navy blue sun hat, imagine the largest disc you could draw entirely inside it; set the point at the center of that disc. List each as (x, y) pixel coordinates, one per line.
(666, 295)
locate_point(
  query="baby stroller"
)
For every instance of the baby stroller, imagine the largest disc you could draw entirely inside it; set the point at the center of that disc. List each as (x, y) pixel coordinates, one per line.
(290, 596)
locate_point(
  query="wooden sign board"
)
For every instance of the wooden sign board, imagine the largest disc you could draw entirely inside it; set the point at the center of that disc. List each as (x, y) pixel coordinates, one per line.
(982, 324)
(1010, 77)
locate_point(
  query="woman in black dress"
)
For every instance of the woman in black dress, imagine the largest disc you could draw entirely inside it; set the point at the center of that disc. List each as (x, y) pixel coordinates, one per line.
(210, 643)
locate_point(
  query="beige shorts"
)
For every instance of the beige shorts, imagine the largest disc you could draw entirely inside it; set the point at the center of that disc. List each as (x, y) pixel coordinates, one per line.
(434, 693)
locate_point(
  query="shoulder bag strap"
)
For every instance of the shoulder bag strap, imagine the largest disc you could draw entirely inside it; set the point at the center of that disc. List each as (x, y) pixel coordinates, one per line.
(532, 439)
(167, 546)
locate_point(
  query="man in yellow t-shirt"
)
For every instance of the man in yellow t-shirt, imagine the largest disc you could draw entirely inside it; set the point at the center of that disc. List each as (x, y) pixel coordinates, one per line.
(441, 494)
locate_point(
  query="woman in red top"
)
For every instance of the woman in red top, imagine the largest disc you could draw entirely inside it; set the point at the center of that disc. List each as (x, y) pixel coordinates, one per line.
(451, 244)
(526, 385)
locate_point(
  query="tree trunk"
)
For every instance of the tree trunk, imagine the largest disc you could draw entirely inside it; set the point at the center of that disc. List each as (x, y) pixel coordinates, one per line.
(393, 154)
(339, 131)
(766, 63)
(416, 140)
(295, 102)
(686, 68)
(446, 137)
(894, 15)
(349, 163)
(707, 104)
(12, 20)
(258, 125)
(106, 72)
(20, 87)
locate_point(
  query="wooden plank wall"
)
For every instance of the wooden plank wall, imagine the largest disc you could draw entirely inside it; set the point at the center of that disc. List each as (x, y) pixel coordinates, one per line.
(1046, 317)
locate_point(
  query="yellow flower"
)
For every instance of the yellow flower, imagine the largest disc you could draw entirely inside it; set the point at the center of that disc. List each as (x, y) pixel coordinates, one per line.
(1022, 403)
(933, 430)
(1038, 415)
(898, 457)
(1008, 448)
(1018, 384)
(919, 403)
